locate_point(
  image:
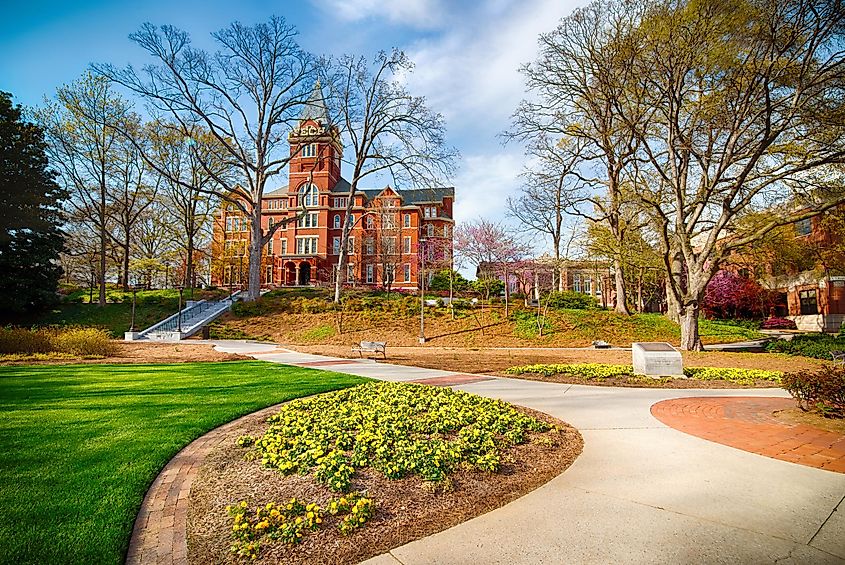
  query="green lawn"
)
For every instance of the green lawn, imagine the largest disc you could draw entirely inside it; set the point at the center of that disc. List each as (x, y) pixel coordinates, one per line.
(151, 306)
(81, 444)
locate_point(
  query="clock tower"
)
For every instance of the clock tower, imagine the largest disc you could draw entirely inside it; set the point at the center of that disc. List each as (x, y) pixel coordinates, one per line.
(315, 147)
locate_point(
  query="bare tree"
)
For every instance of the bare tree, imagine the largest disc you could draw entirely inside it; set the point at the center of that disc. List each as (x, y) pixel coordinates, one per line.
(133, 190)
(386, 234)
(583, 99)
(748, 115)
(85, 146)
(247, 95)
(388, 130)
(543, 203)
(192, 164)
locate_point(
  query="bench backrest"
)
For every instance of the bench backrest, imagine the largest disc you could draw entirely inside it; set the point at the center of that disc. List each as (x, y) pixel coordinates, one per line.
(373, 344)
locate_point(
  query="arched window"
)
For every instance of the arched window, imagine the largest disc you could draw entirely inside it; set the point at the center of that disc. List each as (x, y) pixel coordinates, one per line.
(270, 222)
(337, 221)
(309, 195)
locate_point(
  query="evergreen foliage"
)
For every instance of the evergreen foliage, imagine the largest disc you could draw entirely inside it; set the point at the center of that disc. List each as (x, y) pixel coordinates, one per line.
(30, 239)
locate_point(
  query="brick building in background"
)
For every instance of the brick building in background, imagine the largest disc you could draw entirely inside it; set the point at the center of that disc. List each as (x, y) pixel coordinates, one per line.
(813, 294)
(391, 226)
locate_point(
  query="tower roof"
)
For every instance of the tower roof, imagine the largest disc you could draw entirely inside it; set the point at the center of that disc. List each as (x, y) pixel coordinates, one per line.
(315, 107)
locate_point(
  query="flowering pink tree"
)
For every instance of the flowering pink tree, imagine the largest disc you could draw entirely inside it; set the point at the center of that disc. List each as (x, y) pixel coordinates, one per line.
(493, 249)
(730, 295)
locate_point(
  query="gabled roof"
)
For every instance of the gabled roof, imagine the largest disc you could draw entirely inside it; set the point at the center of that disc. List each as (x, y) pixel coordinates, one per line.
(424, 195)
(315, 107)
(281, 191)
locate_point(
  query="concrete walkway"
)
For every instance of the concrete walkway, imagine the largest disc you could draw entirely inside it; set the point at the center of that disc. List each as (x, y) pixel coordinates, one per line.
(641, 492)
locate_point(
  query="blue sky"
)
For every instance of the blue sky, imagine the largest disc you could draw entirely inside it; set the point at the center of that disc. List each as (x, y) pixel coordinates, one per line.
(466, 56)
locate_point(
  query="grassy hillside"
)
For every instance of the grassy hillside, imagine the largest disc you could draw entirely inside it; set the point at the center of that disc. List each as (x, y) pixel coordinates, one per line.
(115, 317)
(312, 321)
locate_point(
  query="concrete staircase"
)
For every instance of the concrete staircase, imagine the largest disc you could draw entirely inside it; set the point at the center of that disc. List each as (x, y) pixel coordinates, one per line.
(189, 321)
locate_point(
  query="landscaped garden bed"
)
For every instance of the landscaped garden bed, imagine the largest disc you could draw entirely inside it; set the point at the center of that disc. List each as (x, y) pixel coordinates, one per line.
(623, 375)
(344, 476)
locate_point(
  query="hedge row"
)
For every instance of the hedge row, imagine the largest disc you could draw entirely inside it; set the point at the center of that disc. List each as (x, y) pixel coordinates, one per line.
(817, 346)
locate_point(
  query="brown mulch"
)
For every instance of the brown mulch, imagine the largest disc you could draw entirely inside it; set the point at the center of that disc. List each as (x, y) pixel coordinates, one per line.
(798, 416)
(145, 352)
(406, 509)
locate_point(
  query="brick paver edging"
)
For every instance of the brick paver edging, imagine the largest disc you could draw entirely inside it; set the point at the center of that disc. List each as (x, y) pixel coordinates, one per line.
(747, 423)
(159, 534)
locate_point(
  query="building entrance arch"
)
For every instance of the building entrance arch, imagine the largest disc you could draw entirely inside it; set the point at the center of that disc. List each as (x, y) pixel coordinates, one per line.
(304, 278)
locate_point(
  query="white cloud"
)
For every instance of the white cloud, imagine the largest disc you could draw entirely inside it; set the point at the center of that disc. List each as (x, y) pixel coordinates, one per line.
(470, 72)
(484, 183)
(415, 13)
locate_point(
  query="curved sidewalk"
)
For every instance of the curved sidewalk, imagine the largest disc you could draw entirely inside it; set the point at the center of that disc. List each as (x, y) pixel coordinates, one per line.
(641, 491)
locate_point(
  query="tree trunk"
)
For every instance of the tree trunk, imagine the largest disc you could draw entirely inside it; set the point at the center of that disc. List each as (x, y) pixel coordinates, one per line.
(621, 297)
(640, 301)
(690, 340)
(673, 308)
(254, 269)
(507, 295)
(126, 263)
(189, 263)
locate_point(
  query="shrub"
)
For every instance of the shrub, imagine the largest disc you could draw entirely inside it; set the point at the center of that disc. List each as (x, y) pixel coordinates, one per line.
(778, 324)
(526, 326)
(817, 346)
(569, 299)
(85, 342)
(821, 391)
(19, 340)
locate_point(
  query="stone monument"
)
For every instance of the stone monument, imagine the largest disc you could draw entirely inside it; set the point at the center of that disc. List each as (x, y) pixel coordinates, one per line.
(656, 359)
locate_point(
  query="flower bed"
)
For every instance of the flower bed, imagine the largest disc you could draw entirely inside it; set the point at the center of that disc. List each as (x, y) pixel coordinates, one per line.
(403, 460)
(599, 371)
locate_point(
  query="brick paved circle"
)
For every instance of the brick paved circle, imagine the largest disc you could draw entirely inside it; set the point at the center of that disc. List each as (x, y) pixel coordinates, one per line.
(747, 423)
(159, 533)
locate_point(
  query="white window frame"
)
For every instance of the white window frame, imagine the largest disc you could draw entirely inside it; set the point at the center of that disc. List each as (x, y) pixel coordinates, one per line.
(406, 245)
(284, 246)
(370, 278)
(350, 246)
(369, 246)
(309, 195)
(309, 150)
(336, 221)
(335, 245)
(429, 230)
(309, 220)
(406, 270)
(406, 221)
(307, 245)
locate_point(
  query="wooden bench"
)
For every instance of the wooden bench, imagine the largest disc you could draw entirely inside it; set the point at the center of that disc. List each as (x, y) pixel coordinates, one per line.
(838, 357)
(370, 347)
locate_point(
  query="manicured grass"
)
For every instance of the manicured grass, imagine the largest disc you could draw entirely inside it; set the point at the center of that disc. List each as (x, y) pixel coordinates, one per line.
(81, 444)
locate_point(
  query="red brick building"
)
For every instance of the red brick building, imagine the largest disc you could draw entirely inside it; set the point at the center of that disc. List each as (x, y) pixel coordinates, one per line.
(813, 295)
(385, 241)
